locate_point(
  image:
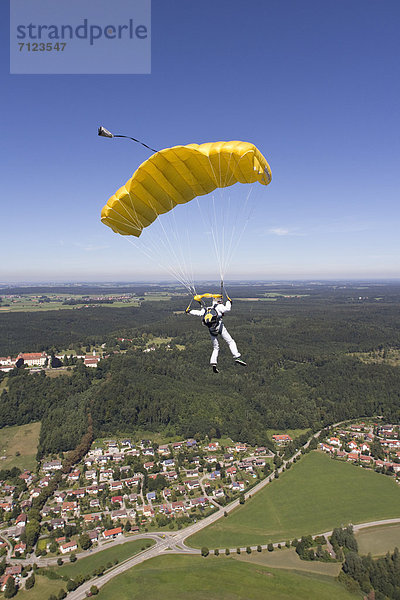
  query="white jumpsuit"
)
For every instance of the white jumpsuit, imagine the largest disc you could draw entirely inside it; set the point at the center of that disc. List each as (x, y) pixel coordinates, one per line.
(221, 310)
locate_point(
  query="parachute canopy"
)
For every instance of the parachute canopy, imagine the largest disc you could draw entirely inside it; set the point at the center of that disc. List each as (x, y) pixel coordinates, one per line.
(176, 176)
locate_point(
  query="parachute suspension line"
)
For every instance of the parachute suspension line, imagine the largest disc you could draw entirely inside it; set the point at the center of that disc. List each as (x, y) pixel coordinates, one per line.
(167, 267)
(180, 271)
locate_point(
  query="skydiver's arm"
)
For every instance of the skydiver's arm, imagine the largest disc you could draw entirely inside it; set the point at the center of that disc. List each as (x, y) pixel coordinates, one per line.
(223, 308)
(197, 313)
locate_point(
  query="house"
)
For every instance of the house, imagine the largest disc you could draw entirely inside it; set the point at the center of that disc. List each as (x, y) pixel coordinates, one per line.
(178, 506)
(91, 518)
(117, 500)
(6, 506)
(21, 520)
(198, 501)
(167, 493)
(69, 507)
(334, 441)
(91, 361)
(148, 452)
(148, 465)
(20, 548)
(116, 485)
(353, 456)
(14, 570)
(27, 477)
(168, 463)
(93, 535)
(353, 445)
(213, 447)
(33, 359)
(74, 475)
(53, 465)
(119, 514)
(81, 493)
(151, 496)
(57, 523)
(163, 450)
(326, 448)
(281, 438)
(148, 511)
(192, 473)
(112, 533)
(231, 471)
(178, 445)
(68, 547)
(192, 485)
(240, 447)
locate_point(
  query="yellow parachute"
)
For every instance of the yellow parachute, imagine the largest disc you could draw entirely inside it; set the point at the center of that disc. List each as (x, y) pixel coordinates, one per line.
(176, 176)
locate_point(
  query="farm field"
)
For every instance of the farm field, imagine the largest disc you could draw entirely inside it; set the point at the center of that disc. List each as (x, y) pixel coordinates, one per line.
(195, 578)
(289, 559)
(378, 540)
(314, 496)
(29, 303)
(22, 440)
(120, 552)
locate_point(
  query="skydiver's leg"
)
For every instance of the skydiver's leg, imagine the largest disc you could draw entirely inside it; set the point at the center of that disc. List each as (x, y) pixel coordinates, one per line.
(214, 355)
(230, 341)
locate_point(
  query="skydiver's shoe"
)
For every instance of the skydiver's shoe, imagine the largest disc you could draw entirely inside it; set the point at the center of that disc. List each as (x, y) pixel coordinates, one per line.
(215, 369)
(238, 361)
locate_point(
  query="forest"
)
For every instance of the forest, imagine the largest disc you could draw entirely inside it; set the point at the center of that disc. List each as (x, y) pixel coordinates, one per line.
(301, 348)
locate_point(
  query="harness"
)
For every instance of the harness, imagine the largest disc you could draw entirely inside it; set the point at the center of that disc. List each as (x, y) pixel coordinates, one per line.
(213, 320)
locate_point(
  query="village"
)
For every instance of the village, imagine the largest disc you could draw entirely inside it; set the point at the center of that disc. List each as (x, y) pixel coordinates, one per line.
(123, 487)
(369, 445)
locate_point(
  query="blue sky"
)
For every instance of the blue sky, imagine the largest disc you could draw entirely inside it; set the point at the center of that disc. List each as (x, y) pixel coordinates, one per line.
(314, 84)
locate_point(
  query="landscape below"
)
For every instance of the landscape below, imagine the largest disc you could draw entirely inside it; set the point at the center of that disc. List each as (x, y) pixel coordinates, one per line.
(317, 355)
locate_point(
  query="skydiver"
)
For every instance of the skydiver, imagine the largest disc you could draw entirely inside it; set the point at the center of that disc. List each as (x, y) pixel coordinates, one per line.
(212, 318)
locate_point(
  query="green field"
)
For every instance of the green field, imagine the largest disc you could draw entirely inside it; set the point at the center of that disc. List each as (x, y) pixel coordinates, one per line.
(21, 439)
(120, 552)
(42, 589)
(289, 559)
(177, 577)
(314, 496)
(378, 540)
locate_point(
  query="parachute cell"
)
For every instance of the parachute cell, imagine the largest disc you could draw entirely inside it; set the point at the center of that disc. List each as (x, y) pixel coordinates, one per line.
(176, 176)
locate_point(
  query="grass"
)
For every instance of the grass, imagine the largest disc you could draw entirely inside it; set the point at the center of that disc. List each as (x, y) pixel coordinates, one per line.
(314, 496)
(378, 540)
(289, 559)
(4, 384)
(87, 565)
(195, 578)
(22, 439)
(42, 589)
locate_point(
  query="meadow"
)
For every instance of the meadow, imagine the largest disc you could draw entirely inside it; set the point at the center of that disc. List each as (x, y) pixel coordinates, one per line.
(18, 444)
(87, 565)
(287, 558)
(314, 496)
(378, 540)
(177, 577)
